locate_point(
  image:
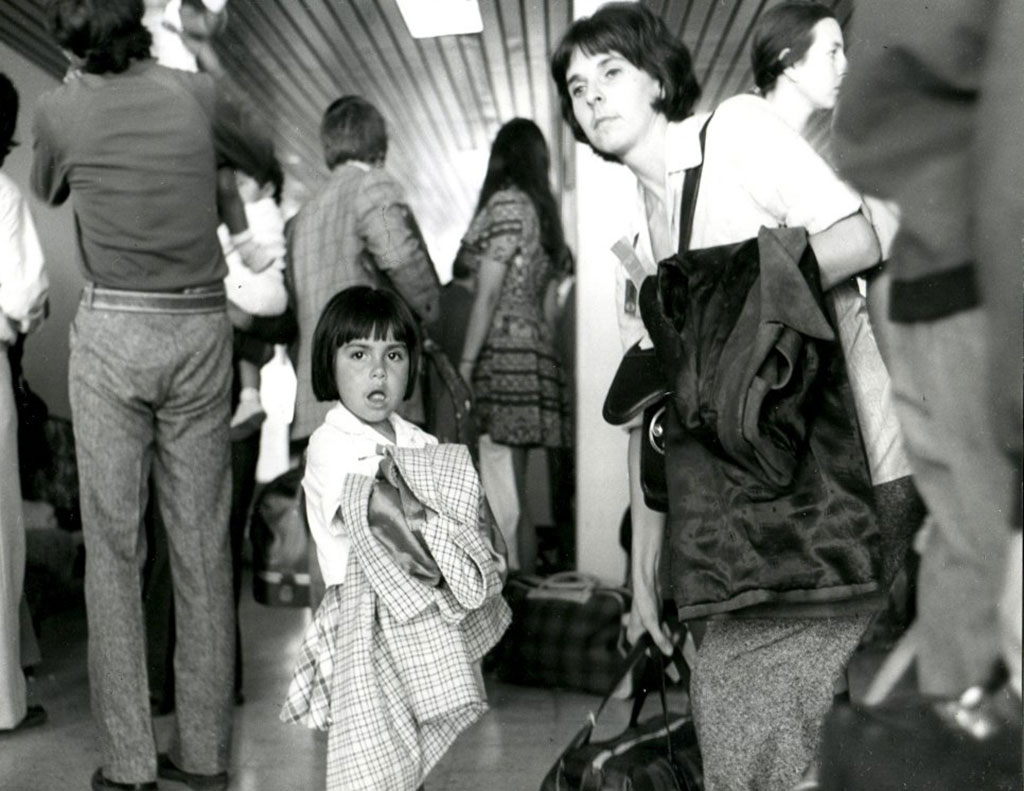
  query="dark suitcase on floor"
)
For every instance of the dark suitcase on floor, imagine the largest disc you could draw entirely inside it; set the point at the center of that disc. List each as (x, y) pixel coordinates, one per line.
(280, 543)
(567, 631)
(896, 738)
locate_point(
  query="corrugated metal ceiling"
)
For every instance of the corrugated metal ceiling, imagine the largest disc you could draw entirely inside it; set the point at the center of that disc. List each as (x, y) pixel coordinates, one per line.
(444, 98)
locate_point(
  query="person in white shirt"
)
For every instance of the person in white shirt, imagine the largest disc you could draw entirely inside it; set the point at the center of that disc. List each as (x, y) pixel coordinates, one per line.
(763, 680)
(23, 290)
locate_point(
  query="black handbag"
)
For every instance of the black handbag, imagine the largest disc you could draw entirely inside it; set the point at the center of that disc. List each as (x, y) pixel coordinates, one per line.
(448, 400)
(281, 543)
(658, 754)
(639, 386)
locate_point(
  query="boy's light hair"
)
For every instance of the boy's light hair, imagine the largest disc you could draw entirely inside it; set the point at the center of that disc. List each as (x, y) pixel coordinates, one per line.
(352, 128)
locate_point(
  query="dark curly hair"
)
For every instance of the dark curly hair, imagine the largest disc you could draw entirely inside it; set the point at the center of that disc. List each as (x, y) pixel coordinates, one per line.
(106, 34)
(644, 40)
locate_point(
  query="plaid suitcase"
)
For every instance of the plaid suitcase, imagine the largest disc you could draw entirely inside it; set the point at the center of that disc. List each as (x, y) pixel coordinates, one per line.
(567, 631)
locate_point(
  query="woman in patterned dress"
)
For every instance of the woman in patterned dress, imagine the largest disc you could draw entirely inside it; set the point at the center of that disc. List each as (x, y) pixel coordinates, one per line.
(517, 247)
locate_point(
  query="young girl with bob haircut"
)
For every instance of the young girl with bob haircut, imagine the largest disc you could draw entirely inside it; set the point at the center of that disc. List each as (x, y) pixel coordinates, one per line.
(412, 565)
(768, 660)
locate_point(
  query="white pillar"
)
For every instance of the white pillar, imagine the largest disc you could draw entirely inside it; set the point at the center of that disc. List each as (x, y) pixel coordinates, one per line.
(601, 190)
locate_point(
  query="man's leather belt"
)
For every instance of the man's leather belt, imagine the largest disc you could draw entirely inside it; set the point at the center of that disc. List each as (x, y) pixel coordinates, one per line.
(206, 299)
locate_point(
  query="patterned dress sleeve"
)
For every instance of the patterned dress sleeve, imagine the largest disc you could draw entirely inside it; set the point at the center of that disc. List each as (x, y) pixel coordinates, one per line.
(496, 233)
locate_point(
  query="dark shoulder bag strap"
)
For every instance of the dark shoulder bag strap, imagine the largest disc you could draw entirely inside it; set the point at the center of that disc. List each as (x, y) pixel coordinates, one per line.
(651, 309)
(691, 185)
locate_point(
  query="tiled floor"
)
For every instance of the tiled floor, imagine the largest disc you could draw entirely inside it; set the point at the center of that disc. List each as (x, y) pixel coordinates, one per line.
(509, 749)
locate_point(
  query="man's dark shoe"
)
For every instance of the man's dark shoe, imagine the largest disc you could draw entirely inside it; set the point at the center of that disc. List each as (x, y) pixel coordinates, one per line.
(101, 783)
(166, 769)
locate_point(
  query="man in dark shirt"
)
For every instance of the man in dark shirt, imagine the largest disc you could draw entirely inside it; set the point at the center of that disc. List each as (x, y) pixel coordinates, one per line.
(133, 144)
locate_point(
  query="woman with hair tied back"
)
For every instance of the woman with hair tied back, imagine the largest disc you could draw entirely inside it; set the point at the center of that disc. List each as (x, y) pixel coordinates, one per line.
(784, 597)
(516, 246)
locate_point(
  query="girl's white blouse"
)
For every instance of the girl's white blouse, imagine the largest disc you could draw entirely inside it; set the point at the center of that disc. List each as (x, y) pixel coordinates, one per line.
(342, 445)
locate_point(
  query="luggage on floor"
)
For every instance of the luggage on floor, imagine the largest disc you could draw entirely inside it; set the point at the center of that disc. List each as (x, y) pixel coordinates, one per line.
(280, 543)
(899, 738)
(658, 754)
(447, 400)
(568, 630)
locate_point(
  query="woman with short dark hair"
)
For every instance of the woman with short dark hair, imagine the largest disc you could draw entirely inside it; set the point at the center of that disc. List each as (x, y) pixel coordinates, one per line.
(770, 653)
(643, 40)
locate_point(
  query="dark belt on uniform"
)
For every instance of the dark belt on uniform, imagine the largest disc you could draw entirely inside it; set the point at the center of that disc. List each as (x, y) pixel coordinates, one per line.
(203, 299)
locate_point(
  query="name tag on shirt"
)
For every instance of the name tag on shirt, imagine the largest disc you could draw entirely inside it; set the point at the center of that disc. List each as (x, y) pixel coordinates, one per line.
(635, 273)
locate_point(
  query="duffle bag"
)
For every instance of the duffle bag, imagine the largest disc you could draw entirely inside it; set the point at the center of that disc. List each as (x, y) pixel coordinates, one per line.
(658, 754)
(568, 631)
(448, 401)
(281, 543)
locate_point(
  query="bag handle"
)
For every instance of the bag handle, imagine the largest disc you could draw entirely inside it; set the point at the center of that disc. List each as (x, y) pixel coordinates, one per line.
(660, 661)
(898, 661)
(566, 582)
(652, 308)
(643, 650)
(582, 737)
(573, 580)
(636, 655)
(893, 668)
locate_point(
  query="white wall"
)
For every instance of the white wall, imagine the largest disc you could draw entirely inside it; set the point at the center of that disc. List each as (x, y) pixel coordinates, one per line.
(46, 350)
(602, 189)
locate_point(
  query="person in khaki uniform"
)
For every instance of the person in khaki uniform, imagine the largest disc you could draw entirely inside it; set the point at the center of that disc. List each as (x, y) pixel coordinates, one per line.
(23, 289)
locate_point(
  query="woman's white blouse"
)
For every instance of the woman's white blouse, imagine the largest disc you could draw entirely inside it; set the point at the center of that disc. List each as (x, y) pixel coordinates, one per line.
(758, 171)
